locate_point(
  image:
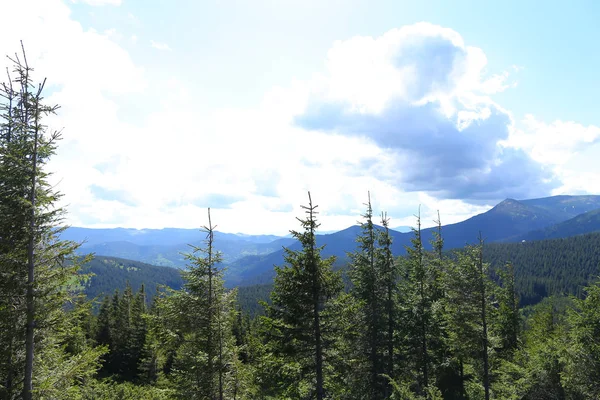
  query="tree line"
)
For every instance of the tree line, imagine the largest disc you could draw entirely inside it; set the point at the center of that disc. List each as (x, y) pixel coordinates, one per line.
(429, 325)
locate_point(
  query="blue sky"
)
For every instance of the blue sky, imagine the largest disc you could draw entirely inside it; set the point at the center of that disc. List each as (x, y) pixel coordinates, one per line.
(170, 105)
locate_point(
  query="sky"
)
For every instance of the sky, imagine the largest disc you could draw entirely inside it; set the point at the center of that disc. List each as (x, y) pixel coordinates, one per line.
(171, 107)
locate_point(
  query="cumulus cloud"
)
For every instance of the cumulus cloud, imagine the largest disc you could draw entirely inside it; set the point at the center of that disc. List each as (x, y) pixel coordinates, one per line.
(408, 116)
(553, 143)
(421, 94)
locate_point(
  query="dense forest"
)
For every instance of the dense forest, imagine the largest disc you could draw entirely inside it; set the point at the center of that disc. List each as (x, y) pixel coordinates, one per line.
(428, 325)
(109, 273)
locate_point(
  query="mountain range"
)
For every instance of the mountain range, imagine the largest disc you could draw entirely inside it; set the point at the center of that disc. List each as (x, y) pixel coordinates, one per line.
(250, 258)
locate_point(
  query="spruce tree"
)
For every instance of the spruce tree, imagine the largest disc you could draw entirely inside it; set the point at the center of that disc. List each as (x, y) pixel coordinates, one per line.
(508, 320)
(299, 322)
(389, 271)
(582, 372)
(367, 290)
(38, 269)
(373, 286)
(469, 295)
(202, 317)
(420, 288)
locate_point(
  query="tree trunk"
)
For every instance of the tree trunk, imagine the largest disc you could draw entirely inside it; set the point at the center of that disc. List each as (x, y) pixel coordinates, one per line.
(486, 377)
(374, 314)
(318, 348)
(316, 308)
(30, 300)
(209, 338)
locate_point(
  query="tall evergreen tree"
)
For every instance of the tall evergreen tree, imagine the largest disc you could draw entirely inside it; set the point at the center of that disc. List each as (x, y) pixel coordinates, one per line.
(418, 287)
(390, 307)
(37, 279)
(122, 327)
(368, 288)
(202, 315)
(469, 293)
(508, 320)
(298, 319)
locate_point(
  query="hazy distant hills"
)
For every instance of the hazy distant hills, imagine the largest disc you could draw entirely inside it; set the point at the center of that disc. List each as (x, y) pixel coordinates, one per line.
(159, 237)
(250, 259)
(165, 246)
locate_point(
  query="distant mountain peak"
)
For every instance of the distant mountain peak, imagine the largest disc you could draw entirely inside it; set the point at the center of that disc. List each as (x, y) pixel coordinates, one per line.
(510, 206)
(508, 201)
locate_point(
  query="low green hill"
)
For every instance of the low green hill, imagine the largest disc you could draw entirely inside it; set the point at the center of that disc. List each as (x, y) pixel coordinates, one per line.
(111, 273)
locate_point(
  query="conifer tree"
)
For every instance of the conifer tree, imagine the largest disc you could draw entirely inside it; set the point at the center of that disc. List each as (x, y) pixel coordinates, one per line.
(508, 318)
(582, 372)
(202, 315)
(390, 283)
(469, 292)
(419, 287)
(542, 356)
(36, 267)
(298, 321)
(368, 288)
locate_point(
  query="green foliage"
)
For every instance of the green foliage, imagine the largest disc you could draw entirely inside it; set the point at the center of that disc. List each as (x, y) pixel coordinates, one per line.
(121, 327)
(38, 271)
(421, 309)
(549, 267)
(429, 326)
(299, 322)
(367, 272)
(582, 371)
(109, 274)
(110, 390)
(196, 326)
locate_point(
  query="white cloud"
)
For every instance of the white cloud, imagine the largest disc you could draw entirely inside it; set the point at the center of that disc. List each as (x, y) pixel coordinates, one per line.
(160, 45)
(553, 143)
(163, 167)
(422, 95)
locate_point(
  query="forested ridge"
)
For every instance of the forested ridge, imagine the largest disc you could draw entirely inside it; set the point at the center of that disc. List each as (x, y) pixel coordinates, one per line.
(552, 267)
(110, 273)
(428, 325)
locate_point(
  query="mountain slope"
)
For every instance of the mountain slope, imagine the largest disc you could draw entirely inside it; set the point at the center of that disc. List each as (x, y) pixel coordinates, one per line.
(110, 273)
(507, 220)
(548, 267)
(250, 259)
(585, 223)
(542, 268)
(566, 207)
(232, 247)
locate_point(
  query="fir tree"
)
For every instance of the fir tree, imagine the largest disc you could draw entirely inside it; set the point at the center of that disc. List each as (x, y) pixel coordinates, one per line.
(202, 315)
(298, 320)
(390, 283)
(368, 289)
(469, 292)
(419, 285)
(508, 318)
(38, 270)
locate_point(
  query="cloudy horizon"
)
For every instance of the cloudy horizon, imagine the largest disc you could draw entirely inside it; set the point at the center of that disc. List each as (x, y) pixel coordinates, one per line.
(244, 107)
